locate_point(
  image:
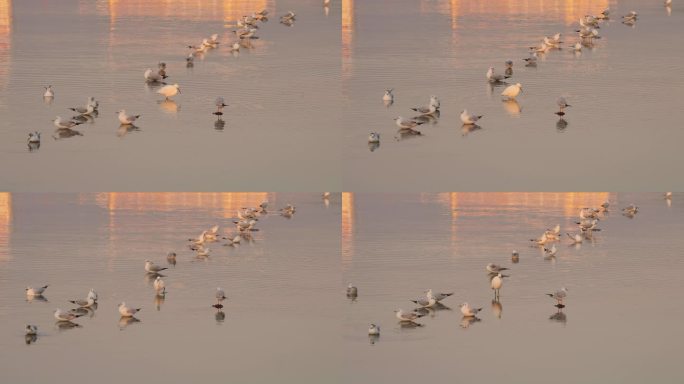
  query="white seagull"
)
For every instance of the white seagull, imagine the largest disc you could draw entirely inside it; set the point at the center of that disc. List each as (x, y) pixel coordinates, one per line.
(512, 91)
(127, 119)
(169, 91)
(126, 311)
(469, 119)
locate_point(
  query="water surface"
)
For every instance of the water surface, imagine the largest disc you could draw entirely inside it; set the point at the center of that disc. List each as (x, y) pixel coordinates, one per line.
(279, 132)
(622, 131)
(621, 322)
(279, 326)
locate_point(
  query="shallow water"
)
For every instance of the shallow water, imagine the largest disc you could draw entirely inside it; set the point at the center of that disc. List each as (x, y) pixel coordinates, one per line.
(622, 317)
(279, 132)
(622, 130)
(279, 325)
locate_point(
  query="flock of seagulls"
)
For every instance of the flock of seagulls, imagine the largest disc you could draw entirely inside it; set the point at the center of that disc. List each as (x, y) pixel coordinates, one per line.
(247, 27)
(245, 223)
(587, 226)
(587, 34)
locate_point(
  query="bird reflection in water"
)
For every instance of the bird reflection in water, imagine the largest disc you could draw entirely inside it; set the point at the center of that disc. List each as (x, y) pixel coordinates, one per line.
(373, 146)
(407, 133)
(431, 118)
(33, 146)
(561, 124)
(125, 129)
(30, 339)
(219, 124)
(169, 106)
(409, 325)
(373, 339)
(497, 308)
(65, 133)
(467, 321)
(125, 321)
(220, 316)
(65, 325)
(512, 107)
(159, 300)
(468, 128)
(432, 311)
(559, 316)
(33, 298)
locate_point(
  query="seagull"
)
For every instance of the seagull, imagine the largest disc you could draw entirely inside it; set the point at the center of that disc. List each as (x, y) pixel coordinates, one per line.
(153, 77)
(290, 16)
(427, 110)
(87, 303)
(32, 330)
(162, 69)
(127, 119)
(159, 286)
(467, 311)
(562, 104)
(49, 92)
(668, 195)
(61, 315)
(220, 103)
(631, 209)
(630, 17)
(352, 291)
(126, 311)
(64, 124)
(496, 284)
(604, 206)
(425, 302)
(532, 60)
(668, 3)
(169, 91)
(438, 296)
(388, 96)
(151, 268)
(494, 78)
(406, 123)
(512, 91)
(373, 137)
(494, 268)
(577, 47)
(469, 119)
(92, 295)
(220, 295)
(374, 330)
(559, 296)
(515, 256)
(407, 316)
(34, 138)
(35, 291)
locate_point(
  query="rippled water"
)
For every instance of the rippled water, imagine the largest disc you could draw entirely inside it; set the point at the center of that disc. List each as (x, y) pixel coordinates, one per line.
(279, 132)
(280, 322)
(622, 317)
(622, 129)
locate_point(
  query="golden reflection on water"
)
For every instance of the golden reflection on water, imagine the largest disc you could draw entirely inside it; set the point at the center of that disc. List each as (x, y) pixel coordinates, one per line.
(193, 10)
(487, 203)
(5, 40)
(347, 36)
(5, 224)
(567, 11)
(347, 228)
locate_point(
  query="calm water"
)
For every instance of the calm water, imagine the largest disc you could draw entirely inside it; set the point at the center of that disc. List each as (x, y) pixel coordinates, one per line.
(280, 131)
(622, 131)
(622, 322)
(281, 320)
